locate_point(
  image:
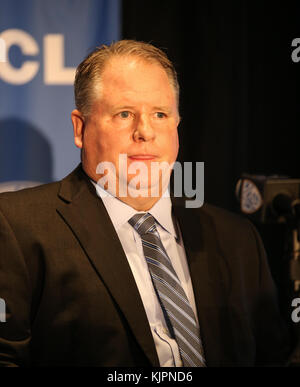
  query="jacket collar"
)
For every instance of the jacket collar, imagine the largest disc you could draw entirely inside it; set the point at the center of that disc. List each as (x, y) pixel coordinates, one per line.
(85, 214)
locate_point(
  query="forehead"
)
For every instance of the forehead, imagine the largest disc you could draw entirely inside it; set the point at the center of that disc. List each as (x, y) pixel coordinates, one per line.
(118, 64)
(133, 76)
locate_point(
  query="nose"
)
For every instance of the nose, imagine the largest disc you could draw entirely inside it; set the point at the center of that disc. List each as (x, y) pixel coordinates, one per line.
(143, 129)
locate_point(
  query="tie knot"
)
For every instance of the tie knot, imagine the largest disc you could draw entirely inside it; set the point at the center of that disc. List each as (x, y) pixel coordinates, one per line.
(143, 223)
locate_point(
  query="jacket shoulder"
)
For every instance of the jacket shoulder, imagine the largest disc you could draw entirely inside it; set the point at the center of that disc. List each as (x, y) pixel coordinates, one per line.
(229, 229)
(223, 217)
(42, 193)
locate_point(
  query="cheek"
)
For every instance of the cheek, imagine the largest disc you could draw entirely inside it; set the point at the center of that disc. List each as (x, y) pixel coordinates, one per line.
(108, 147)
(176, 141)
(95, 148)
(172, 145)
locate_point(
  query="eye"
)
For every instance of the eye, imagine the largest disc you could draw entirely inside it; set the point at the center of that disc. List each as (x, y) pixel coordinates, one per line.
(124, 114)
(160, 115)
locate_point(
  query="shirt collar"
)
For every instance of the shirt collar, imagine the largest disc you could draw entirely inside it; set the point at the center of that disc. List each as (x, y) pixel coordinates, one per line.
(120, 212)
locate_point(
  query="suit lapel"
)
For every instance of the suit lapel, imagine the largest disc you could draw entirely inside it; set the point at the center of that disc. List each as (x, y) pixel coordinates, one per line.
(85, 214)
(209, 276)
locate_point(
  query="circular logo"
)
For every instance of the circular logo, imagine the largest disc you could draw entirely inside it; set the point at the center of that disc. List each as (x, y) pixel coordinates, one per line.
(251, 199)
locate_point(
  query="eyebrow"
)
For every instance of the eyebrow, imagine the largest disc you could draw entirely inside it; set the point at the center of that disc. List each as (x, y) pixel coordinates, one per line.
(165, 109)
(122, 107)
(131, 107)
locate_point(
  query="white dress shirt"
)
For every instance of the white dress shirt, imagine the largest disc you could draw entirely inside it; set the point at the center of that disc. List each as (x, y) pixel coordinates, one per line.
(120, 213)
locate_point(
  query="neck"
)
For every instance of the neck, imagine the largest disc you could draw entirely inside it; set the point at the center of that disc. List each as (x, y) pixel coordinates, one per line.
(140, 203)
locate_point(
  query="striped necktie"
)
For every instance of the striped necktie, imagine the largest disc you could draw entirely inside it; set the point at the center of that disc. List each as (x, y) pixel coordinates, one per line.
(178, 313)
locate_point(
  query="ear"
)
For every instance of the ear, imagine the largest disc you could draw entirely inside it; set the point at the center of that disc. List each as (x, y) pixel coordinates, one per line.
(78, 127)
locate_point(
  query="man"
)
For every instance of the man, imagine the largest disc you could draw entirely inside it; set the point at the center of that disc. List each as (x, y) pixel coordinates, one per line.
(106, 274)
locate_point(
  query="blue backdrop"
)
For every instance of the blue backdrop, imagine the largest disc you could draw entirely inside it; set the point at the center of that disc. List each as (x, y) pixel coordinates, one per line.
(44, 42)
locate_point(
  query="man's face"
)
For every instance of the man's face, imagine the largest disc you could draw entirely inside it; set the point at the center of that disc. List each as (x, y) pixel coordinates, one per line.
(136, 114)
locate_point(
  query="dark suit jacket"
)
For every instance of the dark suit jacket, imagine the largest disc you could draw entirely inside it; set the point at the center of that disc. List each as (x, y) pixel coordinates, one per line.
(71, 298)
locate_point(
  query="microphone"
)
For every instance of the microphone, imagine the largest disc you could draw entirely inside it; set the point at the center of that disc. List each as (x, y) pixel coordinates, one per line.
(268, 199)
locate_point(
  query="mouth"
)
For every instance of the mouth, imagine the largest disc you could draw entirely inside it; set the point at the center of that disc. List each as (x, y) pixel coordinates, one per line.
(142, 157)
